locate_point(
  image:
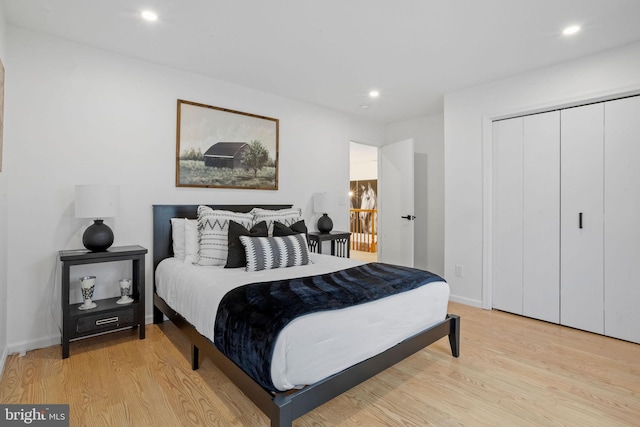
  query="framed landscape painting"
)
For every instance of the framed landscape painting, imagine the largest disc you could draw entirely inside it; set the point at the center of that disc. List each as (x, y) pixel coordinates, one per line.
(221, 148)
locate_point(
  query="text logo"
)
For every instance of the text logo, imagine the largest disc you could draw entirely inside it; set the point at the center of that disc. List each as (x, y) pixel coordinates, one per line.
(34, 415)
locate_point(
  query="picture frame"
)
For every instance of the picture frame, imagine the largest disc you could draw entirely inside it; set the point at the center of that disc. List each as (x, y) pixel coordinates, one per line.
(222, 148)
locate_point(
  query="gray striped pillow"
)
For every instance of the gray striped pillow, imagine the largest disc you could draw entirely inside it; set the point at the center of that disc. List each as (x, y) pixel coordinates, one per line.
(264, 253)
(213, 227)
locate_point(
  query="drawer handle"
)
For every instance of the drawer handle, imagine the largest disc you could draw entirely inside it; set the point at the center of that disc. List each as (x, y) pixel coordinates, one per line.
(107, 321)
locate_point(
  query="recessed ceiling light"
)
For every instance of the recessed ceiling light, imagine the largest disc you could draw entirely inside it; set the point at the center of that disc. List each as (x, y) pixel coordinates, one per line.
(148, 15)
(374, 94)
(569, 31)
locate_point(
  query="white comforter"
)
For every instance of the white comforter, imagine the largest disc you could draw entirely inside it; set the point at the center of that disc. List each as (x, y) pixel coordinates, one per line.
(317, 345)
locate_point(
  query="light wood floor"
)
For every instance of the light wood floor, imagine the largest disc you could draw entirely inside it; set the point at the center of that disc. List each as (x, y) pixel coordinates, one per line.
(513, 371)
(364, 256)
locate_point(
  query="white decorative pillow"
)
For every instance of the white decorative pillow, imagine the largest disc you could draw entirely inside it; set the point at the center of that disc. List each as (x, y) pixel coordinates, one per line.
(283, 216)
(177, 237)
(264, 253)
(213, 227)
(191, 241)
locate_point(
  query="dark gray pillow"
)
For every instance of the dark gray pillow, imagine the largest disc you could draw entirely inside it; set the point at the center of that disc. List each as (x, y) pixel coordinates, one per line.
(236, 256)
(279, 229)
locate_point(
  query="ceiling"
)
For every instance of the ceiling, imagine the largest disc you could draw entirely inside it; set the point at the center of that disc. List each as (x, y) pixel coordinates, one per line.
(333, 52)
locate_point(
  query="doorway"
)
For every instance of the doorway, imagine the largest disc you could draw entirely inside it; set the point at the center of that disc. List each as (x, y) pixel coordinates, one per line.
(363, 201)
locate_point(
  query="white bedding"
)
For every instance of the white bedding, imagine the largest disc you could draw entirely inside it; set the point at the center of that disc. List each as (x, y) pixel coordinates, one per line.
(317, 345)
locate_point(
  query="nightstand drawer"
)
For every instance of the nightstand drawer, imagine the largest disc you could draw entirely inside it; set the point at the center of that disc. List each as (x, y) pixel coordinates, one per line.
(105, 321)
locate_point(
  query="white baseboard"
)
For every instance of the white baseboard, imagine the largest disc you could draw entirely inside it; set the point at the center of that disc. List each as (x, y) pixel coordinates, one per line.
(466, 301)
(3, 360)
(24, 346)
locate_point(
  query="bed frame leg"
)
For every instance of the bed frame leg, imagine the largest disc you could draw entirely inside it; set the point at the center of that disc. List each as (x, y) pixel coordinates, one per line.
(282, 417)
(454, 335)
(195, 357)
(158, 316)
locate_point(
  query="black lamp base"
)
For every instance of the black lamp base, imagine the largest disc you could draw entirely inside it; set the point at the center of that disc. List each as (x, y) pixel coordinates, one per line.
(98, 237)
(325, 224)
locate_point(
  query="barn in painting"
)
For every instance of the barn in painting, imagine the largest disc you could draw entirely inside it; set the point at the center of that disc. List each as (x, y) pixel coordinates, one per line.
(225, 154)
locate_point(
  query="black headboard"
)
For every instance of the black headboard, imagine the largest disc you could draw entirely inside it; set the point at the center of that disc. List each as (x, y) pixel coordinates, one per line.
(162, 214)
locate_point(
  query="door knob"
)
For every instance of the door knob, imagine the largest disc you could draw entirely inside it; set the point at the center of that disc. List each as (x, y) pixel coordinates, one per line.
(409, 217)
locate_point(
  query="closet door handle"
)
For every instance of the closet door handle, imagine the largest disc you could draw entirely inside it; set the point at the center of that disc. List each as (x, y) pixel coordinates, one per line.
(580, 220)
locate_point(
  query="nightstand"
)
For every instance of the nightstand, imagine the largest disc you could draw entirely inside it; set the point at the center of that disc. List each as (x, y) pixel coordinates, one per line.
(107, 316)
(340, 242)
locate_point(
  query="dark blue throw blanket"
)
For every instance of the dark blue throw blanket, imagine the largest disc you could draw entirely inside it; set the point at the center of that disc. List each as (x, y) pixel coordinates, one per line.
(250, 317)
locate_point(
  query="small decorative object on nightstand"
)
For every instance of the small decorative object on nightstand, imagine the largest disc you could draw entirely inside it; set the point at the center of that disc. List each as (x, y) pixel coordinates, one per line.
(109, 315)
(97, 202)
(125, 287)
(87, 285)
(325, 224)
(340, 242)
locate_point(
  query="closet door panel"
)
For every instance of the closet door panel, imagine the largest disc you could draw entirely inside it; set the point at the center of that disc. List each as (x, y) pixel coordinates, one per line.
(622, 216)
(507, 209)
(541, 221)
(582, 240)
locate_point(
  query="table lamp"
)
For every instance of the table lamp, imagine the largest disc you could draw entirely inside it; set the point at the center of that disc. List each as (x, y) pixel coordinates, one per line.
(97, 202)
(320, 204)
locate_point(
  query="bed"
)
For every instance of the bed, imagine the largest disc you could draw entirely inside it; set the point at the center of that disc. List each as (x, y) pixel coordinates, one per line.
(300, 394)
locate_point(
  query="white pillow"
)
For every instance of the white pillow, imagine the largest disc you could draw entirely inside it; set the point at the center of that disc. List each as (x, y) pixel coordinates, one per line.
(213, 226)
(177, 237)
(283, 216)
(264, 253)
(191, 241)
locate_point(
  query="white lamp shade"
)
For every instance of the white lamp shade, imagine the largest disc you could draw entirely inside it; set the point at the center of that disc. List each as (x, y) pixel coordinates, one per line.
(320, 203)
(97, 201)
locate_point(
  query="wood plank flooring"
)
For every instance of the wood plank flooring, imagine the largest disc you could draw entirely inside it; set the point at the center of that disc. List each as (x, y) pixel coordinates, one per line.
(512, 371)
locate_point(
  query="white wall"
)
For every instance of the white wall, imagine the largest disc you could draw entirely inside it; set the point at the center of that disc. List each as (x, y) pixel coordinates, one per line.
(3, 222)
(467, 153)
(428, 135)
(80, 115)
(363, 162)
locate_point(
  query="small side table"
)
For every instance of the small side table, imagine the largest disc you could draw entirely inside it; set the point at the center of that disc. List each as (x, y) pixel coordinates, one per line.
(340, 242)
(107, 316)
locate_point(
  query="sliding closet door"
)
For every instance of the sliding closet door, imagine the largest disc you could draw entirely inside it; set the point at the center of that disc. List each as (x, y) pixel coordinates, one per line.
(541, 220)
(622, 216)
(507, 215)
(582, 239)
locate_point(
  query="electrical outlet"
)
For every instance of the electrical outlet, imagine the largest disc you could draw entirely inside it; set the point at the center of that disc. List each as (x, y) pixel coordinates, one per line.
(459, 270)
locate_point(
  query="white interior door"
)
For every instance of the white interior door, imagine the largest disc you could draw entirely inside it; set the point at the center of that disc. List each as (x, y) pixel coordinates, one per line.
(622, 208)
(395, 201)
(507, 211)
(582, 217)
(541, 219)
(526, 216)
